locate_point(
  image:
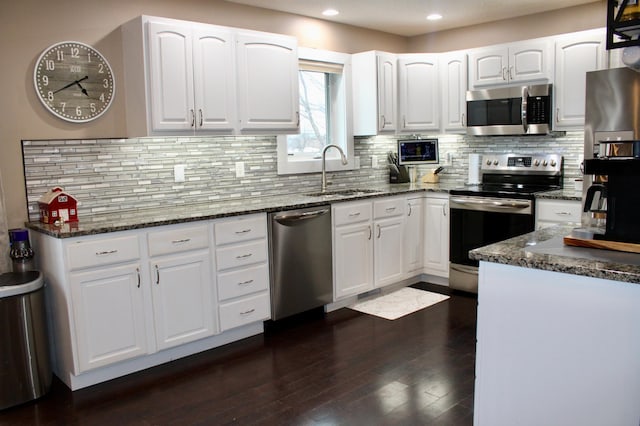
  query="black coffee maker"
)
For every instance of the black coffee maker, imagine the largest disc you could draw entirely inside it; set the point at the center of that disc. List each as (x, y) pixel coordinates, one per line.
(622, 195)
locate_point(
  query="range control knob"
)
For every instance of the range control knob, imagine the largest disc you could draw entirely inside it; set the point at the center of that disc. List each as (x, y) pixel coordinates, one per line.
(488, 162)
(553, 163)
(495, 162)
(544, 163)
(536, 163)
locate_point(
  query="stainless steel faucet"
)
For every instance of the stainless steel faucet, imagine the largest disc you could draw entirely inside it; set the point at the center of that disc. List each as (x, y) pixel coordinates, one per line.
(324, 155)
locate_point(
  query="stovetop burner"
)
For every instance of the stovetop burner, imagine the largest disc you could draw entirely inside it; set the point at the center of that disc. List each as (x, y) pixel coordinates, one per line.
(516, 176)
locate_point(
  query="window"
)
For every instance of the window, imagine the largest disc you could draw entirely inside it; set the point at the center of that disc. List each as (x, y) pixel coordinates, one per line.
(324, 80)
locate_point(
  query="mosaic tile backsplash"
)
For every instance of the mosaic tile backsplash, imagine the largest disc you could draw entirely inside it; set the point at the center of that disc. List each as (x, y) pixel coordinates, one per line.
(116, 175)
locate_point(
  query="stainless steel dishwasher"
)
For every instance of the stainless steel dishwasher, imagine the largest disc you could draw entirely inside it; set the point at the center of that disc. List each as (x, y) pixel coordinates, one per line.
(300, 261)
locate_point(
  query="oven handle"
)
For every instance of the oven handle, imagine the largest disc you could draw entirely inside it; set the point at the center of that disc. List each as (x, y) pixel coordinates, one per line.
(491, 204)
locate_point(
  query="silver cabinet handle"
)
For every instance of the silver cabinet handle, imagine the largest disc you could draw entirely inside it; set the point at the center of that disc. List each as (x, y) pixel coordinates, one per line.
(193, 118)
(511, 73)
(379, 231)
(356, 214)
(106, 253)
(370, 233)
(138, 272)
(383, 122)
(185, 240)
(244, 231)
(201, 118)
(244, 256)
(250, 311)
(563, 213)
(557, 115)
(390, 209)
(157, 275)
(409, 213)
(445, 207)
(245, 282)
(464, 124)
(504, 73)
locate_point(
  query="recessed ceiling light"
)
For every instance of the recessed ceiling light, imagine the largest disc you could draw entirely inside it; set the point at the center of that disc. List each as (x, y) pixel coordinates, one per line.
(434, 17)
(330, 12)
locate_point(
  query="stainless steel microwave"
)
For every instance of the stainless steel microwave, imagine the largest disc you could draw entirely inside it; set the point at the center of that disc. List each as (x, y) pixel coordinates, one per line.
(517, 110)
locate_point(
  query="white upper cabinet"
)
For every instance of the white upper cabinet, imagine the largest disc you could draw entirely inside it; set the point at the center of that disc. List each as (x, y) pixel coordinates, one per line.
(453, 83)
(375, 85)
(268, 81)
(418, 99)
(575, 55)
(522, 62)
(185, 78)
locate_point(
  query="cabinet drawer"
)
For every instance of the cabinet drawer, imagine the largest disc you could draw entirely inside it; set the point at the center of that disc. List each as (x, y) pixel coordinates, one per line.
(243, 281)
(240, 229)
(178, 240)
(245, 311)
(241, 254)
(388, 208)
(87, 253)
(345, 214)
(559, 210)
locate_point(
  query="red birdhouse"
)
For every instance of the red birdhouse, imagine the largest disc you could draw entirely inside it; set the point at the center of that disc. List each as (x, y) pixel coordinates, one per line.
(57, 205)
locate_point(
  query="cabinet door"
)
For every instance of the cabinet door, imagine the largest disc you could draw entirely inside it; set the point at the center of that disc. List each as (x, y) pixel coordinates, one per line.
(453, 80)
(387, 251)
(171, 75)
(182, 298)
(387, 87)
(353, 259)
(418, 100)
(413, 236)
(576, 55)
(267, 81)
(214, 78)
(530, 61)
(436, 237)
(489, 66)
(108, 309)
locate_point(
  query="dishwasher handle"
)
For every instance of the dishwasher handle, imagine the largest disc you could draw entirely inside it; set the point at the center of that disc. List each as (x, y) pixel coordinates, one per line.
(291, 218)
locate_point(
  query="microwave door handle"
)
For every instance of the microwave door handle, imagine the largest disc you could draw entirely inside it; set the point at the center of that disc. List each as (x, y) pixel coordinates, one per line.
(525, 97)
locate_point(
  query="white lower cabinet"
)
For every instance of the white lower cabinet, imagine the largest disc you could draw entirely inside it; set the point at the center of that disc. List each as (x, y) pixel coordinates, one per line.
(550, 212)
(242, 270)
(368, 245)
(414, 235)
(109, 315)
(436, 235)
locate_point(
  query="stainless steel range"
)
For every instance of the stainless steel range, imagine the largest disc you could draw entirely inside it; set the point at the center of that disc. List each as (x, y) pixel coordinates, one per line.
(501, 207)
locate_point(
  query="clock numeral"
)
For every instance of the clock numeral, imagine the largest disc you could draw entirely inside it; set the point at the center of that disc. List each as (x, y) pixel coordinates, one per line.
(63, 105)
(78, 111)
(45, 80)
(88, 56)
(101, 68)
(75, 52)
(105, 83)
(60, 55)
(75, 68)
(92, 107)
(49, 65)
(50, 96)
(101, 97)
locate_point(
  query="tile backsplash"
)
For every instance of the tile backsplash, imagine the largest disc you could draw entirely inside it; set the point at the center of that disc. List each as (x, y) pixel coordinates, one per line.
(115, 175)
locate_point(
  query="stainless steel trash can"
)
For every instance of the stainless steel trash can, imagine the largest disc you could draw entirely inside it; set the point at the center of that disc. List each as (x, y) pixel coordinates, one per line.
(25, 369)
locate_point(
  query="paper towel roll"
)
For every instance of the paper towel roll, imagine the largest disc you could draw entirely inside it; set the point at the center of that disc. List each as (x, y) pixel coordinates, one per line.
(474, 169)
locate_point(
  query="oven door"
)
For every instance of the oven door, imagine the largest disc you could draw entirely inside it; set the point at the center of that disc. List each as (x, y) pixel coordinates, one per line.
(477, 221)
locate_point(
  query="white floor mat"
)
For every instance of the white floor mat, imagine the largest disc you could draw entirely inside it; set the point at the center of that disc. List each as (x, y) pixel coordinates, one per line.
(399, 303)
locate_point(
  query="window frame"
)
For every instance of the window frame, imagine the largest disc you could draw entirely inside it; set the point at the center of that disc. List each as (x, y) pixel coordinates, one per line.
(342, 110)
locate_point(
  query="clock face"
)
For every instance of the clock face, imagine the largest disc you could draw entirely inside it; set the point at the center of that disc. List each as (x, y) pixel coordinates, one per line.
(74, 81)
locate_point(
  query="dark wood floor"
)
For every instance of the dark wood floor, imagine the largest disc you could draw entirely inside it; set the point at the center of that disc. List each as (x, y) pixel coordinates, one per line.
(342, 368)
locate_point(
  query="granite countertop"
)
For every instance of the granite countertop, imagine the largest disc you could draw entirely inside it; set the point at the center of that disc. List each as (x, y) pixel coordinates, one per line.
(561, 194)
(545, 249)
(180, 213)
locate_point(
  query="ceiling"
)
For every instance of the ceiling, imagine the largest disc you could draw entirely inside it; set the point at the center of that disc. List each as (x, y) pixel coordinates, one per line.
(408, 17)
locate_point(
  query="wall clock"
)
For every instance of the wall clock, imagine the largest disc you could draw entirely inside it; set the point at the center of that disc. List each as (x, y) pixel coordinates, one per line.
(74, 81)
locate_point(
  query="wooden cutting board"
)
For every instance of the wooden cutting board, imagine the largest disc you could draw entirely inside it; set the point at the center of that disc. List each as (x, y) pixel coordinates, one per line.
(602, 244)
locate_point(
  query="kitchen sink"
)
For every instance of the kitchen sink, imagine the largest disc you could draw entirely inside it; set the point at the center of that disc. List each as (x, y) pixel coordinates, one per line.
(345, 193)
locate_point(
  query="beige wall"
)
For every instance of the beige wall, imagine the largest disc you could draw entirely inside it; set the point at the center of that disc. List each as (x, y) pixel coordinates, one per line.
(27, 27)
(592, 15)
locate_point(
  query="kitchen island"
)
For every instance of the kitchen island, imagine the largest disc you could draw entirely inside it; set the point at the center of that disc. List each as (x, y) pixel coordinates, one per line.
(558, 335)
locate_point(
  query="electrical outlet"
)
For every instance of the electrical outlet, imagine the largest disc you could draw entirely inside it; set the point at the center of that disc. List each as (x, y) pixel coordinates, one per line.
(239, 169)
(374, 161)
(178, 173)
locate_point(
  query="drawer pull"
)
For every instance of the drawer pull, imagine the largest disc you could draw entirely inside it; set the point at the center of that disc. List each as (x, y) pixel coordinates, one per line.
(138, 272)
(106, 253)
(356, 214)
(244, 256)
(245, 282)
(390, 209)
(250, 311)
(157, 275)
(563, 213)
(185, 240)
(244, 231)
